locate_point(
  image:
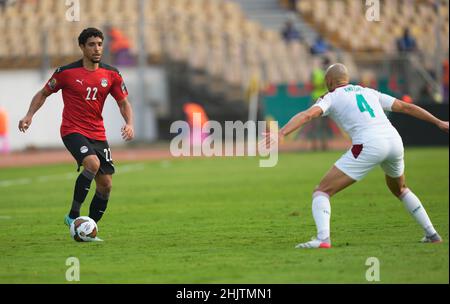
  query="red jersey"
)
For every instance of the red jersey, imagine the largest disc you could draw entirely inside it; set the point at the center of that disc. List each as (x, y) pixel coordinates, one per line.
(84, 93)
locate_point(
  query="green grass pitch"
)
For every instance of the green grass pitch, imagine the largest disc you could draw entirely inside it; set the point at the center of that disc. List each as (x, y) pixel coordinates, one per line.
(224, 220)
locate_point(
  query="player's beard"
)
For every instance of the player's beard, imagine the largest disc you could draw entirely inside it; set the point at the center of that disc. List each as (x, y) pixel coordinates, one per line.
(94, 60)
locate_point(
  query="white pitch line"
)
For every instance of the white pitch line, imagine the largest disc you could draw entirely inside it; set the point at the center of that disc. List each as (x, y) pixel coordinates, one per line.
(131, 168)
(14, 182)
(64, 176)
(46, 178)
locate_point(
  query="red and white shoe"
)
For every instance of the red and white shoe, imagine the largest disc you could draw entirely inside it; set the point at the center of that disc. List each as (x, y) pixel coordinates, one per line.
(435, 238)
(315, 243)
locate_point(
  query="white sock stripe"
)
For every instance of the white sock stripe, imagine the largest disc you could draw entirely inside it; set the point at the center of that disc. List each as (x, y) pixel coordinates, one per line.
(320, 193)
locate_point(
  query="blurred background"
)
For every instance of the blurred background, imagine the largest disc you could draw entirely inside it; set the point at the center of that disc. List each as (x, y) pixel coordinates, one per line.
(234, 60)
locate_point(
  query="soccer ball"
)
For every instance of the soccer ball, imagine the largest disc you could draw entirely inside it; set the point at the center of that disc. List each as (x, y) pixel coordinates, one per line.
(83, 229)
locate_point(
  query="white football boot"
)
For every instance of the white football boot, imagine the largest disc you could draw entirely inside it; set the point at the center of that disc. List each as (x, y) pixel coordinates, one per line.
(315, 243)
(435, 238)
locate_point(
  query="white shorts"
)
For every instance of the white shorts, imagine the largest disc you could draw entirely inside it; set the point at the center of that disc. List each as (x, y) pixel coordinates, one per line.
(361, 159)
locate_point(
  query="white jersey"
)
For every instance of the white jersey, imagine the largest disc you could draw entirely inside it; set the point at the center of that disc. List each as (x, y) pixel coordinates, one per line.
(359, 111)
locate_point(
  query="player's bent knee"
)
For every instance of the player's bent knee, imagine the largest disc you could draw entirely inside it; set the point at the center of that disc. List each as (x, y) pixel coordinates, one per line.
(399, 192)
(105, 185)
(91, 163)
(106, 188)
(397, 186)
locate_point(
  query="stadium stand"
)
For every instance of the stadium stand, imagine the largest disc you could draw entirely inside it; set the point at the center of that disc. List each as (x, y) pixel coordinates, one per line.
(213, 36)
(343, 22)
(214, 40)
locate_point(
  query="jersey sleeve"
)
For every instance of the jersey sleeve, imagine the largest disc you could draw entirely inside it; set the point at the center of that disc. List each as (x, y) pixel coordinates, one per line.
(55, 83)
(385, 100)
(324, 103)
(118, 90)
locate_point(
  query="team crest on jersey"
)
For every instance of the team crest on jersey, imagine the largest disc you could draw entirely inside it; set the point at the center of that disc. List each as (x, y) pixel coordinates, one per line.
(104, 82)
(84, 149)
(124, 88)
(52, 83)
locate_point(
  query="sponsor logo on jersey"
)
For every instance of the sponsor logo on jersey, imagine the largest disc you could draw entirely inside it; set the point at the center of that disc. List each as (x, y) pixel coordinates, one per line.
(83, 149)
(104, 82)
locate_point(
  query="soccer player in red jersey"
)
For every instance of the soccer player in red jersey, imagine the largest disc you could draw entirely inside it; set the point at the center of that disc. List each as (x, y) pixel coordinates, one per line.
(85, 84)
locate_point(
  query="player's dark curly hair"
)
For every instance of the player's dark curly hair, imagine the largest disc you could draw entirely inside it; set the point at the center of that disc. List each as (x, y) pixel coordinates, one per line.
(87, 33)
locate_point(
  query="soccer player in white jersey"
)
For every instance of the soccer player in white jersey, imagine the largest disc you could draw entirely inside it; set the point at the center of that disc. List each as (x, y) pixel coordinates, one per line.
(360, 112)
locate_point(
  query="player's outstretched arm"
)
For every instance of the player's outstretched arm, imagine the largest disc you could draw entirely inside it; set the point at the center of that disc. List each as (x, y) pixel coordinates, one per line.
(417, 112)
(36, 103)
(296, 122)
(300, 119)
(127, 114)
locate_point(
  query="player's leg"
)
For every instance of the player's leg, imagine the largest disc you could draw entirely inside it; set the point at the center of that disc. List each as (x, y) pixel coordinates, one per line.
(99, 202)
(394, 168)
(414, 206)
(351, 167)
(333, 182)
(103, 181)
(91, 165)
(81, 149)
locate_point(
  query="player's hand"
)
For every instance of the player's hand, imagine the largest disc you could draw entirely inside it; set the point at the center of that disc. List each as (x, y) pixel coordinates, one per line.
(25, 123)
(127, 132)
(443, 125)
(270, 140)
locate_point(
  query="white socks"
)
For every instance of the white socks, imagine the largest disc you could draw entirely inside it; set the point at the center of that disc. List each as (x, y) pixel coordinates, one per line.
(414, 206)
(321, 210)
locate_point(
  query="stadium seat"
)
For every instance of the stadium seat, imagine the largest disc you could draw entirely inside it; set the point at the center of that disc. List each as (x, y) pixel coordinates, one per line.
(217, 37)
(349, 17)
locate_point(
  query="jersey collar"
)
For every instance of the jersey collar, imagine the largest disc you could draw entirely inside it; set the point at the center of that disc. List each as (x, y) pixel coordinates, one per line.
(342, 85)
